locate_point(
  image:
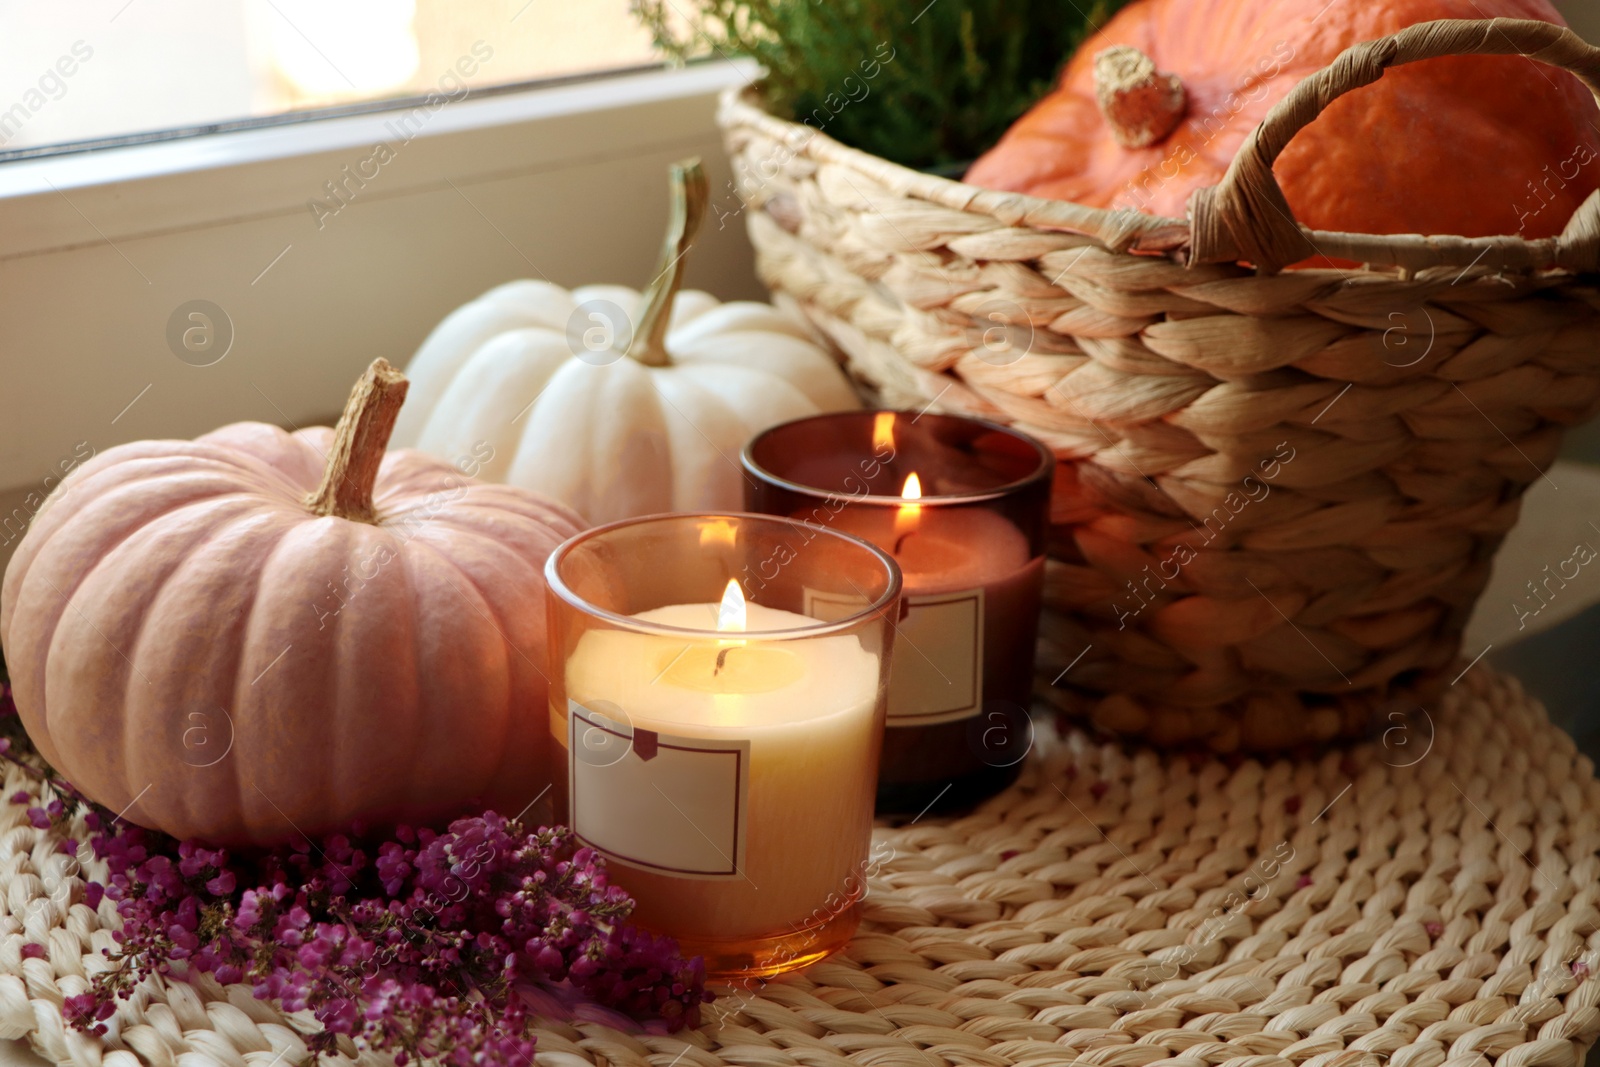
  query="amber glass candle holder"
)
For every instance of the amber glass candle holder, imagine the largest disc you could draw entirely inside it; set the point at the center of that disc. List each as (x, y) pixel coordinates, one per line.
(962, 505)
(718, 741)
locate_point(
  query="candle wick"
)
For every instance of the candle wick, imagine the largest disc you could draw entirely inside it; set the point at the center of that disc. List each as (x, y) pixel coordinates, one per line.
(722, 661)
(900, 542)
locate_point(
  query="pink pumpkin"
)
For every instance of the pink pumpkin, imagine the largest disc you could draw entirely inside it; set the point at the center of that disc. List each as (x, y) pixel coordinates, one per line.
(260, 634)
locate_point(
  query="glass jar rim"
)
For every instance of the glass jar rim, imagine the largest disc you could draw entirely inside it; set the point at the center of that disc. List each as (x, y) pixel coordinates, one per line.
(1044, 472)
(879, 605)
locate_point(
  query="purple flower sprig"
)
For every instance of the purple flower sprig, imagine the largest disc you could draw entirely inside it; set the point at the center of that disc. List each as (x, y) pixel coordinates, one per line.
(17, 750)
(417, 946)
(420, 947)
(424, 945)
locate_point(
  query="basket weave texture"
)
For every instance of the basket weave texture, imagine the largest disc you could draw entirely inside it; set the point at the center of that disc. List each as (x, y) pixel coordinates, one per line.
(1427, 901)
(1279, 492)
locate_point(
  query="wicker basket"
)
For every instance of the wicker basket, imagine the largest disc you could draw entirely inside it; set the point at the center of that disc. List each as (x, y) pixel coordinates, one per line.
(1279, 493)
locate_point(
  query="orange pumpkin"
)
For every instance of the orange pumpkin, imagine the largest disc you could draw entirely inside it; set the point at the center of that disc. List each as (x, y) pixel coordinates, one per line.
(1473, 146)
(260, 634)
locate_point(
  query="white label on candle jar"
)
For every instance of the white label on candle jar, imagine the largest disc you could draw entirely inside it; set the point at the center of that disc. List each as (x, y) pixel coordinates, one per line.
(660, 802)
(937, 674)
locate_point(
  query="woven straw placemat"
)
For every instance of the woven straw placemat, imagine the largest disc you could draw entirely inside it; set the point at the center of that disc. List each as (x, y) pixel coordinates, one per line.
(1426, 898)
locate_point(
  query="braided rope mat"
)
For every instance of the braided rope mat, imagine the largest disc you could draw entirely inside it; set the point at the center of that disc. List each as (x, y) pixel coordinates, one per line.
(1422, 900)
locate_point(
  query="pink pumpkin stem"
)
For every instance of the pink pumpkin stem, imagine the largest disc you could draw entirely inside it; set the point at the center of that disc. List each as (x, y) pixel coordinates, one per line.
(359, 443)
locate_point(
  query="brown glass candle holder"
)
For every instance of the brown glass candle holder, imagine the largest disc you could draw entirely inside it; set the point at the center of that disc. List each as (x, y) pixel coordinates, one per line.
(962, 505)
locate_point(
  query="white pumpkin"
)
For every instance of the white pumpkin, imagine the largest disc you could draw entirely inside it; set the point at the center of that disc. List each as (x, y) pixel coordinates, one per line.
(614, 411)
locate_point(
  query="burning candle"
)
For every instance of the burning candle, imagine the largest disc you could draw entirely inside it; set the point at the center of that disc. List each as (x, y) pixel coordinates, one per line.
(909, 517)
(961, 505)
(721, 752)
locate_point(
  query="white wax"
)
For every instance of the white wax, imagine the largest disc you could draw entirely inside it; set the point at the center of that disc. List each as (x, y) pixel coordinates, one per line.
(628, 670)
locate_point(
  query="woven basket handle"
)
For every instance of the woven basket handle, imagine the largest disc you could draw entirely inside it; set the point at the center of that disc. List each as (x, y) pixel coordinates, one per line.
(1245, 216)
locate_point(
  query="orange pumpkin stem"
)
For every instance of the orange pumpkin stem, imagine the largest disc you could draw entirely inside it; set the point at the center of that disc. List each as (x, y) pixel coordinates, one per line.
(359, 443)
(1140, 104)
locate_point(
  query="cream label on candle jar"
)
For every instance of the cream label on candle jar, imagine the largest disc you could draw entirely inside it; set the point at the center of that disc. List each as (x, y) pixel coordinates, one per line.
(664, 803)
(937, 674)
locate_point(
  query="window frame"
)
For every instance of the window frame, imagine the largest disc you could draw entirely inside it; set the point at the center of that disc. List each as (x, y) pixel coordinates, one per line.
(209, 178)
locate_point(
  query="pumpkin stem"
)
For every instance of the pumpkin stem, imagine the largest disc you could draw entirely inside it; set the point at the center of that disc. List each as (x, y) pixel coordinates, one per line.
(359, 442)
(689, 196)
(1140, 104)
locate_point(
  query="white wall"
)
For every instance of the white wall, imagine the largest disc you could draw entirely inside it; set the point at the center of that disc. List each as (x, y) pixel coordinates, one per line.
(1583, 16)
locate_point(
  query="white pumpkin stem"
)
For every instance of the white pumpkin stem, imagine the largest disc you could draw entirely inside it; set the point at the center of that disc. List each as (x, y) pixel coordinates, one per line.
(1140, 104)
(359, 443)
(690, 194)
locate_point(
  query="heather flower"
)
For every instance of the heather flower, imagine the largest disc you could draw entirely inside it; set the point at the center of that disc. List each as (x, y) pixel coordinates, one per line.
(427, 944)
(424, 946)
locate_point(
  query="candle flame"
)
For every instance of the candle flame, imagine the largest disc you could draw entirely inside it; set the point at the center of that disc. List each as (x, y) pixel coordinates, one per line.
(909, 517)
(883, 432)
(731, 612)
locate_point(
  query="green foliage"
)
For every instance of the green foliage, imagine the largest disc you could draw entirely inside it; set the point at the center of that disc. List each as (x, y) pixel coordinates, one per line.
(922, 84)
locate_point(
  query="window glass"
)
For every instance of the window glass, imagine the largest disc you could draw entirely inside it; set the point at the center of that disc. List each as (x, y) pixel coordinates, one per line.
(92, 69)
